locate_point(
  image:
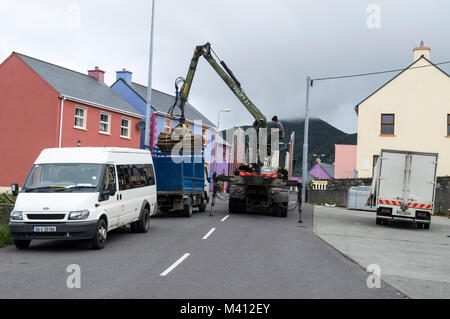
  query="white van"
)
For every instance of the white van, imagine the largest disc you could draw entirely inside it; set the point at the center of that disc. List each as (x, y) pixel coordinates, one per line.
(82, 193)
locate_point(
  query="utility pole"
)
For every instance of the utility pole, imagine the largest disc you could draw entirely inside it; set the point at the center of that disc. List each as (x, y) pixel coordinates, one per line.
(305, 142)
(149, 87)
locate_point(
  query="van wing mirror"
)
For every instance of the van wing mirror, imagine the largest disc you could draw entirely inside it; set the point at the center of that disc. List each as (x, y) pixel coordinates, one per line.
(112, 189)
(15, 189)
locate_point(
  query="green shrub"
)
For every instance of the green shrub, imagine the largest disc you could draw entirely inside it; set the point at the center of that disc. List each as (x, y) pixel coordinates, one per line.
(5, 236)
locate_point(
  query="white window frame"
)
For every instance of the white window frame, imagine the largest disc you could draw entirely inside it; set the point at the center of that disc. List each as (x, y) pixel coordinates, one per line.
(84, 118)
(168, 127)
(107, 123)
(127, 127)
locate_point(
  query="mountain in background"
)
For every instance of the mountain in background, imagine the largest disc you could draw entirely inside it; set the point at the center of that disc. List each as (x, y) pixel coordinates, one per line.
(322, 138)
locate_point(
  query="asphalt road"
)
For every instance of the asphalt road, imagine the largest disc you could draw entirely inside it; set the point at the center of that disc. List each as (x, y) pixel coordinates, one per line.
(246, 256)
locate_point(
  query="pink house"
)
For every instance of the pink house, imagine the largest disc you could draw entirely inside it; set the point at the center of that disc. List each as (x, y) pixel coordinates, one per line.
(345, 161)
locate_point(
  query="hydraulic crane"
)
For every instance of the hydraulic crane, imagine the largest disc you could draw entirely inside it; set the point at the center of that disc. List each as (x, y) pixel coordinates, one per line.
(248, 188)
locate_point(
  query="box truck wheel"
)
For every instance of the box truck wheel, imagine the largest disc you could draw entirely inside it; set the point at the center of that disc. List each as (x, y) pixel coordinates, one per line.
(426, 226)
(188, 210)
(378, 221)
(99, 240)
(22, 244)
(233, 205)
(202, 206)
(276, 210)
(284, 211)
(420, 225)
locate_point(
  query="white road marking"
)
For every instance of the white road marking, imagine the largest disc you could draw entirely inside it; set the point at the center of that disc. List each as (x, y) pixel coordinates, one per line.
(209, 233)
(225, 218)
(179, 261)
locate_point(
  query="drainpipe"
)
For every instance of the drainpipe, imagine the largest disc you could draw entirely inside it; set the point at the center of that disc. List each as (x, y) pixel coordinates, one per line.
(61, 121)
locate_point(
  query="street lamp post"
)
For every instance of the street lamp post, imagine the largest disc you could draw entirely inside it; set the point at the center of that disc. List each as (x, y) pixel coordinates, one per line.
(305, 142)
(149, 87)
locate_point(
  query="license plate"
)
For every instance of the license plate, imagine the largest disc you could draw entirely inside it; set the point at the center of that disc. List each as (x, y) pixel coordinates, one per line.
(404, 213)
(44, 229)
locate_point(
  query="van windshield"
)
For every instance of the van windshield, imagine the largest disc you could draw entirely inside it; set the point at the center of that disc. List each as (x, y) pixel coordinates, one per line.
(80, 177)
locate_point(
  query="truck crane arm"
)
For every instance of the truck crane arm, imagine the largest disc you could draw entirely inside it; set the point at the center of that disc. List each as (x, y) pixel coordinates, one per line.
(227, 76)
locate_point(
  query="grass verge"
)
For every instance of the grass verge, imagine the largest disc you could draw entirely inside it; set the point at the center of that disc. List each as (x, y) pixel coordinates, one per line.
(5, 235)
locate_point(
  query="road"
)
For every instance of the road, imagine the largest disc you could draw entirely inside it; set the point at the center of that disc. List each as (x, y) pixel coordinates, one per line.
(240, 256)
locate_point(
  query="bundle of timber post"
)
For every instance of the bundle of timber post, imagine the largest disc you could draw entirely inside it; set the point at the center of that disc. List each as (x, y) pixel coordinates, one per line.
(180, 143)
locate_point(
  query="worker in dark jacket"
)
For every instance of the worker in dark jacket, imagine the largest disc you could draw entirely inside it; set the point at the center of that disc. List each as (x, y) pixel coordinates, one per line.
(277, 124)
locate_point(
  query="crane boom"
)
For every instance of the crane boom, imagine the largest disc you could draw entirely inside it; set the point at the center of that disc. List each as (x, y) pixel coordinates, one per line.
(227, 76)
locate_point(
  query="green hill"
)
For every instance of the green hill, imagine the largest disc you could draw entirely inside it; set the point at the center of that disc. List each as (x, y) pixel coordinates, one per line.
(322, 138)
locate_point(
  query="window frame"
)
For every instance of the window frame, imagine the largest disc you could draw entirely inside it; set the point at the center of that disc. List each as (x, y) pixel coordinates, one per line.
(169, 127)
(128, 127)
(385, 123)
(448, 125)
(84, 118)
(102, 122)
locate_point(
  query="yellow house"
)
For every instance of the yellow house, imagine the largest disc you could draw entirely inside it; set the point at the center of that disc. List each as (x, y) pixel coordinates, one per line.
(411, 112)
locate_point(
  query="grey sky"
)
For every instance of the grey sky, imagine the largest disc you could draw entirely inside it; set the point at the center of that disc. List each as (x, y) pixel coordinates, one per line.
(271, 46)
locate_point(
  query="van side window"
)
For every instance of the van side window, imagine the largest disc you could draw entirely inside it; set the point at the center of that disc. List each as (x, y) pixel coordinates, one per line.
(136, 178)
(123, 175)
(151, 174)
(110, 176)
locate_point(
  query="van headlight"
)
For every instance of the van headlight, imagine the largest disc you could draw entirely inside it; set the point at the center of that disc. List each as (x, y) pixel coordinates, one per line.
(16, 215)
(79, 215)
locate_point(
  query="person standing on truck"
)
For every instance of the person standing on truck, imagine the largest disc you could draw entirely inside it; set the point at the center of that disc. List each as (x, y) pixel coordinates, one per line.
(277, 124)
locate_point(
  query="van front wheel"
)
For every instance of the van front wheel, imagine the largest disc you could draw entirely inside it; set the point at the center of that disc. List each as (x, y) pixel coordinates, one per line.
(99, 240)
(22, 244)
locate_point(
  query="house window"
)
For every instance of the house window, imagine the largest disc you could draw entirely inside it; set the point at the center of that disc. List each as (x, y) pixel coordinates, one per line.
(105, 123)
(387, 124)
(125, 128)
(167, 125)
(448, 124)
(80, 117)
(205, 136)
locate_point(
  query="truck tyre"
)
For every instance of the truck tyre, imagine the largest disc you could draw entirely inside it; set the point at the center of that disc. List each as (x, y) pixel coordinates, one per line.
(276, 210)
(99, 239)
(22, 244)
(284, 211)
(426, 226)
(143, 224)
(187, 210)
(202, 206)
(378, 221)
(420, 225)
(232, 205)
(385, 222)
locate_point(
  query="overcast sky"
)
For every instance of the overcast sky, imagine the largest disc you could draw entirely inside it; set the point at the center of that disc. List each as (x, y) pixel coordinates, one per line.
(271, 46)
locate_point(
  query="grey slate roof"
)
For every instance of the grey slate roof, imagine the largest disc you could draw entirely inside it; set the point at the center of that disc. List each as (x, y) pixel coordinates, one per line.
(78, 85)
(163, 101)
(328, 168)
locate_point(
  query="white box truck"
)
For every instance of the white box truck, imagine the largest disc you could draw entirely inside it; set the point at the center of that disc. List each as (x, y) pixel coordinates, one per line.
(403, 187)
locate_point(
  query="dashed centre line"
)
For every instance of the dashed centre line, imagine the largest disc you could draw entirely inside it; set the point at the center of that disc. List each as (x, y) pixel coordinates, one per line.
(179, 261)
(209, 233)
(225, 218)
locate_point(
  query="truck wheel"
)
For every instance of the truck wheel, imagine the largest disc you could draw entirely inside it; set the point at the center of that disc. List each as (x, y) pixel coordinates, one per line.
(22, 244)
(188, 210)
(420, 225)
(378, 221)
(143, 224)
(202, 206)
(284, 211)
(426, 226)
(276, 210)
(385, 222)
(99, 240)
(232, 206)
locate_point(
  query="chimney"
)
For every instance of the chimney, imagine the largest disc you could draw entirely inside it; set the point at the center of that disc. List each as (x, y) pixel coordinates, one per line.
(421, 50)
(98, 74)
(124, 74)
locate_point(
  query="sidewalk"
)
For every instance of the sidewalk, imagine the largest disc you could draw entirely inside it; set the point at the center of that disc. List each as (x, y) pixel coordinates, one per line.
(415, 261)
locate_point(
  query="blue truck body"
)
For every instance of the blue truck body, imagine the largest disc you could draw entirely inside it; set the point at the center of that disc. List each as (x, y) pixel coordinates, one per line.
(180, 181)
